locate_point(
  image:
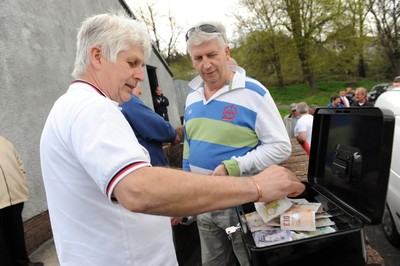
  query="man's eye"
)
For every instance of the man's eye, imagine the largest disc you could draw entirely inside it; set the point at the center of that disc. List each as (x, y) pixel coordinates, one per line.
(132, 64)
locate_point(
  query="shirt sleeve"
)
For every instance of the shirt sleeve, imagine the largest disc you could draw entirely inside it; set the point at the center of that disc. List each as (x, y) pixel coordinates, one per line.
(148, 124)
(275, 144)
(300, 127)
(105, 145)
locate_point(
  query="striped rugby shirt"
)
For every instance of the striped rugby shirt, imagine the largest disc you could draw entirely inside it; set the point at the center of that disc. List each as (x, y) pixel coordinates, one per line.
(239, 123)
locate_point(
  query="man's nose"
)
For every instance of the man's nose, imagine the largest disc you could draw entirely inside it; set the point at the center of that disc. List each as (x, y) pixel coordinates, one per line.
(139, 73)
(206, 63)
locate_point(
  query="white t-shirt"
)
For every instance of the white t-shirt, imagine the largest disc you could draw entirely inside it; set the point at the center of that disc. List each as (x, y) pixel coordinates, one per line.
(305, 123)
(86, 148)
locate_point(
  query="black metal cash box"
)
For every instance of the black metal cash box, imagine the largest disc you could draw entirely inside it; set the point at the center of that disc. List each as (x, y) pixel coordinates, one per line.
(348, 174)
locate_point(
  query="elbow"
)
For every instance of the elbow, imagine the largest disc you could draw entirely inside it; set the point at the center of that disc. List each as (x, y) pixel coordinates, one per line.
(300, 140)
(134, 204)
(130, 195)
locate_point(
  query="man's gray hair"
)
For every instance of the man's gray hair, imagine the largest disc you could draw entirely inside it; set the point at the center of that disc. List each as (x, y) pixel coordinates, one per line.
(302, 107)
(113, 32)
(362, 90)
(198, 36)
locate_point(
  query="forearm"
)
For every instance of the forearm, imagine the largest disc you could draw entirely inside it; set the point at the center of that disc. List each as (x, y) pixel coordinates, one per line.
(170, 192)
(301, 138)
(275, 144)
(263, 156)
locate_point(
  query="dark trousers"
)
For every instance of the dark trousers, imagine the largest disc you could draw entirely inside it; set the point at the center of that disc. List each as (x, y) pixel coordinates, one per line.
(12, 238)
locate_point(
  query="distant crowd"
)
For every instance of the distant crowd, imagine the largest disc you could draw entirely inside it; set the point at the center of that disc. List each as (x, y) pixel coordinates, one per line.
(299, 121)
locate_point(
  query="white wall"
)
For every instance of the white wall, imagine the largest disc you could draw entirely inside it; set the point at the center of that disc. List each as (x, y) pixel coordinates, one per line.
(37, 51)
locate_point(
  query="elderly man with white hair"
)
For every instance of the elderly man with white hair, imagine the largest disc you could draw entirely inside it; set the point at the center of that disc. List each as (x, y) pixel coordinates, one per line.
(303, 129)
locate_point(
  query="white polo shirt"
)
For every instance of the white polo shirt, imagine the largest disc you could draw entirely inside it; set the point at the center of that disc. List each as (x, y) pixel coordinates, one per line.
(86, 148)
(305, 123)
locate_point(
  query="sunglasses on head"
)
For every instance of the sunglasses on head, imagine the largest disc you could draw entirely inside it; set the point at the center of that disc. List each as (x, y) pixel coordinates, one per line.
(208, 28)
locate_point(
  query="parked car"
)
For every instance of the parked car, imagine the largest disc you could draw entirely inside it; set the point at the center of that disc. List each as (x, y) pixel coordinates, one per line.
(377, 90)
(391, 216)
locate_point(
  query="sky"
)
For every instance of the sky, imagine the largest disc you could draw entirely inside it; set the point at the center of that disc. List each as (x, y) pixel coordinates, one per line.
(188, 12)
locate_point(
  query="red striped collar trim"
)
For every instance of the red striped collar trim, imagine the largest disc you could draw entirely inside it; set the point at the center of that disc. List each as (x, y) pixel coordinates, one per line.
(91, 85)
(121, 172)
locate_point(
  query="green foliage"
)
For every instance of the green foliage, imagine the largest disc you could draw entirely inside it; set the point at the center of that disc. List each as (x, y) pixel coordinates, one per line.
(300, 93)
(255, 54)
(182, 68)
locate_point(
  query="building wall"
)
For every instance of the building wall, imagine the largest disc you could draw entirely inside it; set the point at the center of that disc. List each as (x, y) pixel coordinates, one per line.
(167, 84)
(182, 90)
(37, 51)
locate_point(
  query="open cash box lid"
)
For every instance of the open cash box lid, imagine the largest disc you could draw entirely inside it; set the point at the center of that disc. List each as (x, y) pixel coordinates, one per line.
(350, 159)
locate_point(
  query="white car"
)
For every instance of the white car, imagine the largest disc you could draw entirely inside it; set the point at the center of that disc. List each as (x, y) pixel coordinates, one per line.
(391, 216)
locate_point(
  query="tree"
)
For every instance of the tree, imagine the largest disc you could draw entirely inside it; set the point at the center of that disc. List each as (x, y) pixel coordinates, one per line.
(358, 11)
(306, 21)
(154, 22)
(339, 55)
(387, 21)
(171, 51)
(254, 54)
(260, 16)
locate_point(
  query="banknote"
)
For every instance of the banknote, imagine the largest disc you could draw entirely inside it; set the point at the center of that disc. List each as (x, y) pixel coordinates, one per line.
(321, 215)
(270, 210)
(271, 237)
(299, 201)
(314, 206)
(323, 222)
(298, 217)
(255, 222)
(276, 222)
(319, 231)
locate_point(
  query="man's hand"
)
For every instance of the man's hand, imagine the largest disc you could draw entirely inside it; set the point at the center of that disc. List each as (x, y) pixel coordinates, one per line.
(277, 182)
(176, 220)
(220, 170)
(177, 140)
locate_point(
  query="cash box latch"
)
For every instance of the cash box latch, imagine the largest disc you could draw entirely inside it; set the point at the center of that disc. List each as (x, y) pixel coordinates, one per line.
(233, 229)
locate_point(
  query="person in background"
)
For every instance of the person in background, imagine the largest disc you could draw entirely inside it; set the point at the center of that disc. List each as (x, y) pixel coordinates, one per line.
(335, 102)
(107, 205)
(396, 82)
(361, 98)
(303, 129)
(232, 62)
(150, 129)
(13, 193)
(160, 103)
(232, 126)
(312, 108)
(350, 94)
(290, 120)
(343, 99)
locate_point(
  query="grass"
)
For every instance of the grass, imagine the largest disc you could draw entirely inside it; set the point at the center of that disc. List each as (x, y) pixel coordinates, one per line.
(301, 93)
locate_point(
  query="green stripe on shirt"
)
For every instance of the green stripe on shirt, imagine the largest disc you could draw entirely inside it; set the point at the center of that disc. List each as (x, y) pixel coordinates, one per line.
(203, 129)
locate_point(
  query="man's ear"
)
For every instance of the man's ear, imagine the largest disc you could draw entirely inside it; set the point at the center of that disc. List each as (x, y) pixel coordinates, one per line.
(95, 56)
(227, 51)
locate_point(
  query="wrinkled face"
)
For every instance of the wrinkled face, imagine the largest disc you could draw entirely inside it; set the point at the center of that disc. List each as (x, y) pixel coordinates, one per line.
(120, 78)
(360, 97)
(396, 84)
(211, 63)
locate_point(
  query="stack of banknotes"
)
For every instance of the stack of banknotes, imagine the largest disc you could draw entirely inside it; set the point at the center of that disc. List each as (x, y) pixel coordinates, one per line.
(286, 220)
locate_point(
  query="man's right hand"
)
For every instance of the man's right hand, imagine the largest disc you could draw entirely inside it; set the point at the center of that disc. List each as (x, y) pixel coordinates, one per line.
(277, 182)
